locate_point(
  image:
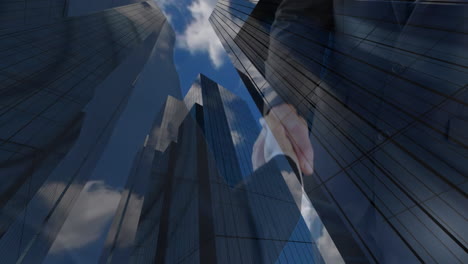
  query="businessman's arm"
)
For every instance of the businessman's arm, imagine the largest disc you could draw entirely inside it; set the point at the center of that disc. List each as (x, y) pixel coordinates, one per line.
(291, 136)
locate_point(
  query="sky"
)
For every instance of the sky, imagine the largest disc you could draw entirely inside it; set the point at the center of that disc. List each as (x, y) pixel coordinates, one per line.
(198, 49)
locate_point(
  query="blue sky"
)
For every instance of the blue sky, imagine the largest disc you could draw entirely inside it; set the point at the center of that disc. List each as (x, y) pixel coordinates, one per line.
(198, 49)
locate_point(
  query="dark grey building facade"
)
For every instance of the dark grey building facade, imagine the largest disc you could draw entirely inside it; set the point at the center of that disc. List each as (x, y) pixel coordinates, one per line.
(16, 14)
(64, 84)
(382, 86)
(183, 206)
(227, 117)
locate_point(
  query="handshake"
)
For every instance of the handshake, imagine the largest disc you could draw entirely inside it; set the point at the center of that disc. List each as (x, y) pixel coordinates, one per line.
(284, 132)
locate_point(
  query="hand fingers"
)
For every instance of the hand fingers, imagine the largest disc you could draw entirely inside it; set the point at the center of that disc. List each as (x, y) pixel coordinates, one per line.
(258, 158)
(297, 132)
(281, 139)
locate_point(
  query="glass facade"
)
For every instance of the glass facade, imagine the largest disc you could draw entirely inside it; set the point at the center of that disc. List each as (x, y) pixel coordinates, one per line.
(83, 7)
(25, 13)
(63, 86)
(382, 87)
(360, 154)
(180, 207)
(227, 117)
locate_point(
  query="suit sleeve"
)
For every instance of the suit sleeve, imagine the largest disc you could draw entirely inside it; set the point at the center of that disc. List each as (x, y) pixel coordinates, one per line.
(299, 37)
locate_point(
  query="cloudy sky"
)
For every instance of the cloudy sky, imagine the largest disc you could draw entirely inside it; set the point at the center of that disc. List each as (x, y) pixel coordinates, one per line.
(198, 49)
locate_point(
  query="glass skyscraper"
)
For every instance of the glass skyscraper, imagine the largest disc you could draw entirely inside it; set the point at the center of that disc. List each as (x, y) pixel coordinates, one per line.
(227, 117)
(14, 14)
(357, 151)
(64, 82)
(382, 87)
(181, 204)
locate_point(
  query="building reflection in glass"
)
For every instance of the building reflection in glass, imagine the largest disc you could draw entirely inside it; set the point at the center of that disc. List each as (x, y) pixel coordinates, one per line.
(179, 206)
(380, 87)
(360, 157)
(64, 82)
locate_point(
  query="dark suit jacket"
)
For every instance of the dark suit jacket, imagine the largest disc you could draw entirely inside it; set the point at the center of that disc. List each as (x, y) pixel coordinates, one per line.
(382, 85)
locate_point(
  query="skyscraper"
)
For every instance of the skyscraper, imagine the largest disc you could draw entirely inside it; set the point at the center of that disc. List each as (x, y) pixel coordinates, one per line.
(382, 86)
(17, 14)
(180, 207)
(228, 123)
(139, 205)
(64, 83)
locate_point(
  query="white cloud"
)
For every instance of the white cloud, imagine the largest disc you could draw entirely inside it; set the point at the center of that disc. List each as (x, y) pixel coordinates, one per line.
(236, 137)
(169, 17)
(328, 249)
(318, 232)
(325, 244)
(94, 209)
(163, 4)
(199, 36)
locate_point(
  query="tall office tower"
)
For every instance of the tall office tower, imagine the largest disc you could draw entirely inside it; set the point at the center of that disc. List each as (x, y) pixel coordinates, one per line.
(15, 14)
(146, 186)
(181, 208)
(63, 86)
(382, 86)
(33, 13)
(227, 117)
(82, 7)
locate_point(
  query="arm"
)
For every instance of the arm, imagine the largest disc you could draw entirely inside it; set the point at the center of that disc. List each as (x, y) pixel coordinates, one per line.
(310, 20)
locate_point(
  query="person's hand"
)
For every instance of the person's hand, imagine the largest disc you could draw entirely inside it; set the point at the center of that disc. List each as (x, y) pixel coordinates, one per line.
(291, 134)
(258, 156)
(272, 141)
